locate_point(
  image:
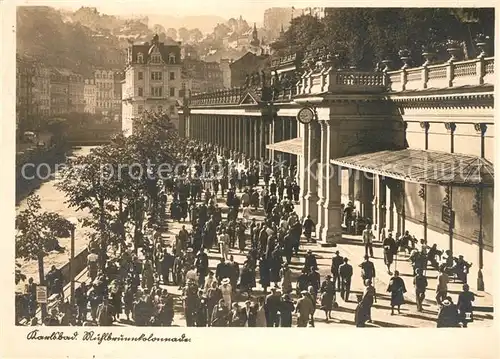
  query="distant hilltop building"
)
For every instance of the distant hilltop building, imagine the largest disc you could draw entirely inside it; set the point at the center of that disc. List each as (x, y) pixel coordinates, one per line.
(152, 80)
(319, 12)
(275, 18)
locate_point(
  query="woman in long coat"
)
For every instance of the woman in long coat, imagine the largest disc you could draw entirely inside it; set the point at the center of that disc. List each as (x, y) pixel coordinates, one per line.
(260, 316)
(397, 289)
(327, 296)
(275, 264)
(389, 245)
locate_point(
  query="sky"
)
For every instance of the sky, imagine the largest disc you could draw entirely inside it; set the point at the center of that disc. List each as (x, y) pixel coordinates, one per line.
(251, 10)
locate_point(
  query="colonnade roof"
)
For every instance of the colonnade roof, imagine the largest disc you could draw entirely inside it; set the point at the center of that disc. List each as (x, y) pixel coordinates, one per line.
(425, 167)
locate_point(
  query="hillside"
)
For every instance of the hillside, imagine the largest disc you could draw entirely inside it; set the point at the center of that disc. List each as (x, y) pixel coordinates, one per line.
(205, 23)
(54, 38)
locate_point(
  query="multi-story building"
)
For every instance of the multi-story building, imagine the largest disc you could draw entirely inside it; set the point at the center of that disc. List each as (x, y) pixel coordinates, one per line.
(104, 82)
(25, 73)
(205, 76)
(76, 95)
(41, 91)
(117, 95)
(319, 12)
(90, 95)
(152, 80)
(275, 19)
(59, 93)
(246, 65)
(226, 72)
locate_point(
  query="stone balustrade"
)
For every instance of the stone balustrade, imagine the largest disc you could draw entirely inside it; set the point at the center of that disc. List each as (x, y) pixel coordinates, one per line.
(324, 78)
(477, 71)
(231, 96)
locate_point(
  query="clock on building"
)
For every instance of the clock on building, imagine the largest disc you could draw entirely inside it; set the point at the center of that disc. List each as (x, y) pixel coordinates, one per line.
(306, 115)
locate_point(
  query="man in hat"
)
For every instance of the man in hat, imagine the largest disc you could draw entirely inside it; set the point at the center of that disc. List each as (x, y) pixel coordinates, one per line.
(272, 306)
(285, 312)
(345, 273)
(201, 264)
(249, 314)
(310, 260)
(305, 308)
(368, 238)
(367, 269)
(220, 315)
(420, 283)
(227, 292)
(337, 261)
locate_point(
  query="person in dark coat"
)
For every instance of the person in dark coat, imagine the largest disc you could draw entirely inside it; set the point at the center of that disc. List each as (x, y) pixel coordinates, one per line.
(220, 315)
(214, 295)
(249, 314)
(345, 273)
(465, 306)
(337, 261)
(310, 260)
(327, 296)
(271, 307)
(247, 278)
(167, 264)
(202, 311)
(308, 228)
(367, 269)
(448, 316)
(264, 273)
(390, 248)
(397, 289)
(285, 311)
(201, 264)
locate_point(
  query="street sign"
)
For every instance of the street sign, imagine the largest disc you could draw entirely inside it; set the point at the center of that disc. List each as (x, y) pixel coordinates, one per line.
(448, 216)
(41, 294)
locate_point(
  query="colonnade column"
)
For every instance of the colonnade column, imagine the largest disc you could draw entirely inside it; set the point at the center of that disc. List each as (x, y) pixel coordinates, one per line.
(256, 128)
(244, 135)
(332, 229)
(304, 177)
(311, 171)
(322, 180)
(241, 134)
(277, 137)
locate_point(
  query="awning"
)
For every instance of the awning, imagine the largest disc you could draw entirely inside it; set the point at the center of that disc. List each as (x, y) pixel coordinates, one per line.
(426, 167)
(293, 146)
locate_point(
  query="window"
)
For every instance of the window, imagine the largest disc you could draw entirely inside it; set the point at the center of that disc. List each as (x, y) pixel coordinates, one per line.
(171, 59)
(172, 75)
(156, 91)
(172, 109)
(172, 91)
(155, 59)
(156, 75)
(140, 92)
(140, 109)
(140, 58)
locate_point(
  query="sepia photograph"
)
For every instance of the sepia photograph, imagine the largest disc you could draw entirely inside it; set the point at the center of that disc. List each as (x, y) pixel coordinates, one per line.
(253, 166)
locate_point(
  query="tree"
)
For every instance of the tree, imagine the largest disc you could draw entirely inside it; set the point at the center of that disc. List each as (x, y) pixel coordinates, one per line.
(221, 30)
(37, 234)
(158, 29)
(183, 34)
(195, 35)
(172, 33)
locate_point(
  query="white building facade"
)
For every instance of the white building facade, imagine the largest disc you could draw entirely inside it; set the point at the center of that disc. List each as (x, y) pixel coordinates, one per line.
(152, 81)
(90, 96)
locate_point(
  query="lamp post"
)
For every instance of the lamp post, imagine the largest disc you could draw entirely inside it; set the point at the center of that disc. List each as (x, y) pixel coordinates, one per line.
(72, 274)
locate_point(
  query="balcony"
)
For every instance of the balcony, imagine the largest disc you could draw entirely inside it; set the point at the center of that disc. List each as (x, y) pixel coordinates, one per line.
(477, 71)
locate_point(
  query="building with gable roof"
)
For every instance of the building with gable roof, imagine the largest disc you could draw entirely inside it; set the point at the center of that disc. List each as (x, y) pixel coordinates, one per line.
(152, 80)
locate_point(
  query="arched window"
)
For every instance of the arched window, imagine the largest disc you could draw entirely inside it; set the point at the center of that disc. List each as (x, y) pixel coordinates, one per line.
(140, 58)
(155, 59)
(171, 59)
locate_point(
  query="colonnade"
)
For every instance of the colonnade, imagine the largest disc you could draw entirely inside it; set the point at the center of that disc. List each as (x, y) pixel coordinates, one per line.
(319, 181)
(245, 134)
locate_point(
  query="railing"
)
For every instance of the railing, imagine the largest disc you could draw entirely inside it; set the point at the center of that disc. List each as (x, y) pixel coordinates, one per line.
(221, 97)
(283, 60)
(477, 71)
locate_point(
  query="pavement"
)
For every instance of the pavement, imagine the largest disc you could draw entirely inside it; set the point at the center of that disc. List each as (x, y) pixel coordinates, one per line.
(350, 246)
